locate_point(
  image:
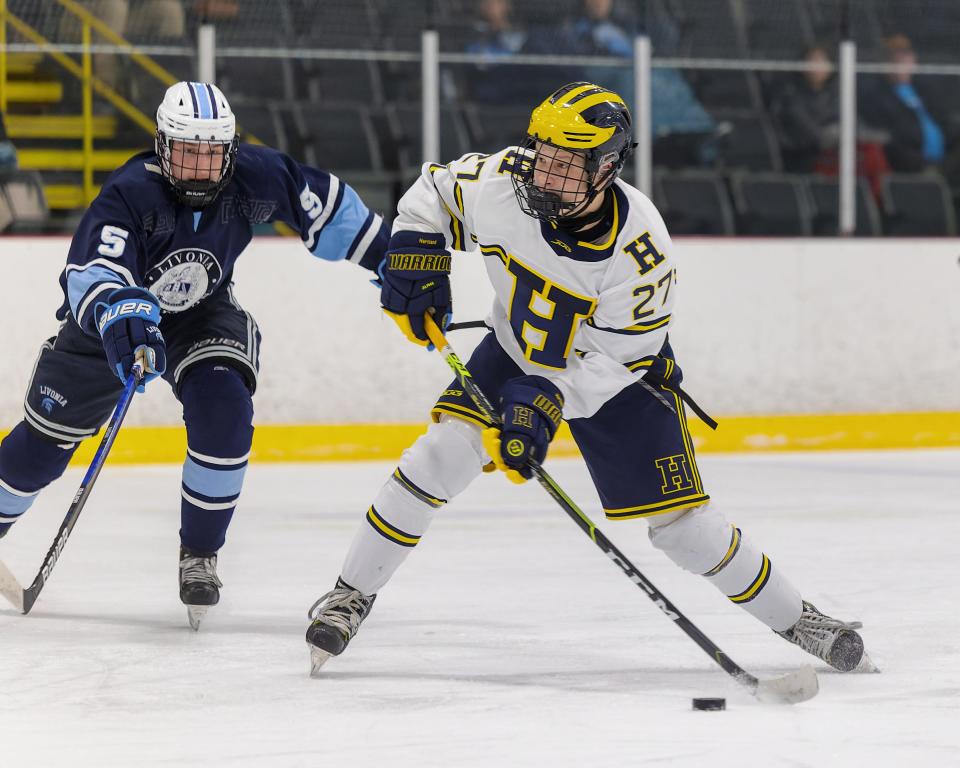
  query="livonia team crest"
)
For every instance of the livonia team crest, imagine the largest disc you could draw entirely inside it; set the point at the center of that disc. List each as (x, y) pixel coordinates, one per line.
(183, 278)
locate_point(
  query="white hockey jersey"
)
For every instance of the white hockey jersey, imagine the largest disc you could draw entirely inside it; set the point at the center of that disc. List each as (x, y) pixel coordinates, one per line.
(588, 316)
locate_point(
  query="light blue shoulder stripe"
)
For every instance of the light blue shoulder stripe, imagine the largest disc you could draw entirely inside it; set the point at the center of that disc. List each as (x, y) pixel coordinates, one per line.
(81, 280)
(342, 228)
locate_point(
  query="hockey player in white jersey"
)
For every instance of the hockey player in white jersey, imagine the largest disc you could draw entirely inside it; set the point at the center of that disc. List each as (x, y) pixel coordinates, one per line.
(585, 287)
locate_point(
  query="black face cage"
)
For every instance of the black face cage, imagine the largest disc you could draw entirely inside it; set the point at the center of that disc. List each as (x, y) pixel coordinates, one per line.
(196, 192)
(588, 174)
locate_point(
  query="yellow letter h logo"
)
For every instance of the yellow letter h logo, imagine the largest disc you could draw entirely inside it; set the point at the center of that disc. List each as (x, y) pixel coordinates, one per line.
(675, 474)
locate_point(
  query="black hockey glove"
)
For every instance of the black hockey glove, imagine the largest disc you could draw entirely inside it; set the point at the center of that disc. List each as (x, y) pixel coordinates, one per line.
(129, 321)
(416, 280)
(532, 409)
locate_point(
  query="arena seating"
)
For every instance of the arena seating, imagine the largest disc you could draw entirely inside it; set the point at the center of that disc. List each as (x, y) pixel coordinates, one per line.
(362, 117)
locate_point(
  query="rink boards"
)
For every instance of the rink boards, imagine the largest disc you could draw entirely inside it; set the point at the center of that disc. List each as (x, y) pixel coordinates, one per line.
(791, 344)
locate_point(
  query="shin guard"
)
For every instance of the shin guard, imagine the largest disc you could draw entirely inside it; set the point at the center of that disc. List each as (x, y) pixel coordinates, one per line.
(701, 541)
(218, 412)
(28, 464)
(437, 467)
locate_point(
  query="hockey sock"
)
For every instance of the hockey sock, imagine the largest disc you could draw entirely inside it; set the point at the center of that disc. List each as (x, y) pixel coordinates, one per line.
(702, 541)
(218, 412)
(437, 467)
(28, 463)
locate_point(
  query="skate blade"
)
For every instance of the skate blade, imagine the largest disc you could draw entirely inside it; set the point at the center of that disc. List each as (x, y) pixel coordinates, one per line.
(798, 686)
(318, 658)
(866, 666)
(195, 614)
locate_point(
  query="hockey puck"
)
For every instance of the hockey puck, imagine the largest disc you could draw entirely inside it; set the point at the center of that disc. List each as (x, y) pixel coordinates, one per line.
(709, 705)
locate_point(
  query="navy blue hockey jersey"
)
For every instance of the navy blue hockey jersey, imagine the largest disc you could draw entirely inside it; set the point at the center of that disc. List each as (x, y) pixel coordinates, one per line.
(136, 233)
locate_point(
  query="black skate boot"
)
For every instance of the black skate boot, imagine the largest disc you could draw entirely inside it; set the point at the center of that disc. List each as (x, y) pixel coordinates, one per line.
(199, 585)
(834, 641)
(336, 618)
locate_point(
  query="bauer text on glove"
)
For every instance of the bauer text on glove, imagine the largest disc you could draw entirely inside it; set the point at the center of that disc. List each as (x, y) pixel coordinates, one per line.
(129, 322)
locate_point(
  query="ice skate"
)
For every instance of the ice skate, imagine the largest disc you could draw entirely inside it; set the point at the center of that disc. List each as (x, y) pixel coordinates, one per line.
(835, 642)
(199, 585)
(336, 618)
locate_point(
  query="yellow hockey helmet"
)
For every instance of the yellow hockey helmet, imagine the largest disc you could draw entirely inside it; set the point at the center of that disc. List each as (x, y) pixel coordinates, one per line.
(587, 120)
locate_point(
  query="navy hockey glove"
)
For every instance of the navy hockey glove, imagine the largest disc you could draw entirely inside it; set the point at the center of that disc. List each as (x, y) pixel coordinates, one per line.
(416, 280)
(532, 409)
(665, 372)
(129, 321)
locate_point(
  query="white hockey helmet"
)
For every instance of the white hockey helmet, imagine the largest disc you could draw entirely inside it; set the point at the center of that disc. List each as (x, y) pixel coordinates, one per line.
(196, 114)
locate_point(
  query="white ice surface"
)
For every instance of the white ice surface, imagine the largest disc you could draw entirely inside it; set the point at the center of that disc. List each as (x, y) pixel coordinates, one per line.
(507, 639)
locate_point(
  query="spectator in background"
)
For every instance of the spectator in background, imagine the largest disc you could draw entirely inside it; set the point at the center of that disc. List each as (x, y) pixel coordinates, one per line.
(906, 110)
(8, 153)
(595, 31)
(133, 20)
(684, 133)
(494, 33)
(216, 10)
(680, 125)
(806, 112)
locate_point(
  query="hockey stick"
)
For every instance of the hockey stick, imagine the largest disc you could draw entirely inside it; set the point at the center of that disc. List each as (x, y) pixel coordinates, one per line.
(789, 689)
(10, 588)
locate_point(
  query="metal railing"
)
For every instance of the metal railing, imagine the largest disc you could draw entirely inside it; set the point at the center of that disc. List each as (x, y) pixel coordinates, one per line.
(84, 73)
(431, 59)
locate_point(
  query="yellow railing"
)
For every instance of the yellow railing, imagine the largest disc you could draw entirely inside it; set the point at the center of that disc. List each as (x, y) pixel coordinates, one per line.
(3, 57)
(87, 116)
(83, 72)
(145, 62)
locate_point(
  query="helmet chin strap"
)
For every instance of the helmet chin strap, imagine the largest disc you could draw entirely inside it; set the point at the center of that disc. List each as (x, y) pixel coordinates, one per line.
(575, 221)
(580, 222)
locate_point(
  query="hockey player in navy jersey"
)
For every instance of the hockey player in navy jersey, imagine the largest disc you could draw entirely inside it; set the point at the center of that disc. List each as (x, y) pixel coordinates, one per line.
(163, 236)
(585, 281)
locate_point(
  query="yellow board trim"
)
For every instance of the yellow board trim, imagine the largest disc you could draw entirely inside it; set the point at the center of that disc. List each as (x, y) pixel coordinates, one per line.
(385, 442)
